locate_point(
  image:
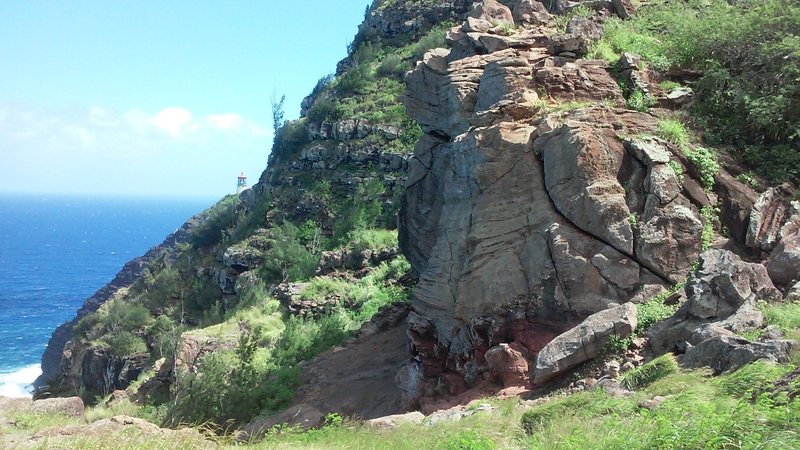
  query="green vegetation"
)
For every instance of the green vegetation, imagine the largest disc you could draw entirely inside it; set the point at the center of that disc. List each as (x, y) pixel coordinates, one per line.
(678, 169)
(749, 54)
(562, 20)
(216, 220)
(696, 413)
(649, 373)
(705, 161)
(435, 38)
(639, 101)
(749, 179)
(673, 131)
(710, 215)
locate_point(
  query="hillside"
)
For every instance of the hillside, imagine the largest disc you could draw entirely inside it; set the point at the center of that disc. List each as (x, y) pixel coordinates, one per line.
(541, 225)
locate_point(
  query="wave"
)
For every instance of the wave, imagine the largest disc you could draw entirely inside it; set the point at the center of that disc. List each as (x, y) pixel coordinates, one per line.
(18, 384)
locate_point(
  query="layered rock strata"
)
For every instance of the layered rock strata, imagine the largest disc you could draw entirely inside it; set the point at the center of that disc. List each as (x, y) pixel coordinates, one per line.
(523, 217)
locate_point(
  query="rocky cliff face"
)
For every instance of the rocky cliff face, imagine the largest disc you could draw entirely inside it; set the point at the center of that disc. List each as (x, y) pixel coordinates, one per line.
(537, 209)
(131, 271)
(535, 198)
(342, 165)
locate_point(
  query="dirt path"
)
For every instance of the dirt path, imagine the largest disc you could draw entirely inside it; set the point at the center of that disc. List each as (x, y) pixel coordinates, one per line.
(357, 380)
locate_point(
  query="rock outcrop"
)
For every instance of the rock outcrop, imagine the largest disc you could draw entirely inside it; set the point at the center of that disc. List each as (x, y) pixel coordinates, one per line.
(520, 221)
(54, 353)
(584, 342)
(721, 296)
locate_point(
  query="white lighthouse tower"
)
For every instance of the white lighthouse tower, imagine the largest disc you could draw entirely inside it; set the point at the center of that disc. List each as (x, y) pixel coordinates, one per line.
(241, 183)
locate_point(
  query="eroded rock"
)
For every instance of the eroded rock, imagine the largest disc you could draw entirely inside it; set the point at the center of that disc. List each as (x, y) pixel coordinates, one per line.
(583, 342)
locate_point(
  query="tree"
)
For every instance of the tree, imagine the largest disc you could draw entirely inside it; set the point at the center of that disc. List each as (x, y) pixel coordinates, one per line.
(277, 112)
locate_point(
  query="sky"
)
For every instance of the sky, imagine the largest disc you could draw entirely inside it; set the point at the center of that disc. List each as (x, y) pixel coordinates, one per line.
(155, 98)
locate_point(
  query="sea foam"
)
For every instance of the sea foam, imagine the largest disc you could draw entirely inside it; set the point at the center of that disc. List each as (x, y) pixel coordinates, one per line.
(17, 384)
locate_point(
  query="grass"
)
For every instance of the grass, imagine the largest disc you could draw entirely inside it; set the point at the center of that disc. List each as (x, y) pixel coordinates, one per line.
(649, 373)
(673, 131)
(747, 52)
(697, 413)
(710, 215)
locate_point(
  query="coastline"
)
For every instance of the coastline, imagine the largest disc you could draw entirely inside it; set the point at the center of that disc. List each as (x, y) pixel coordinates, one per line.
(18, 383)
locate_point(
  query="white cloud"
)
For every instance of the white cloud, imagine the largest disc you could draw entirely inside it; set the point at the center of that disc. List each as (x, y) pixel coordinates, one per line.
(225, 122)
(173, 120)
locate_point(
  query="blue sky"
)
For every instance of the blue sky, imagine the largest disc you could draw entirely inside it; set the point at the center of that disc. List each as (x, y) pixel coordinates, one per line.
(155, 97)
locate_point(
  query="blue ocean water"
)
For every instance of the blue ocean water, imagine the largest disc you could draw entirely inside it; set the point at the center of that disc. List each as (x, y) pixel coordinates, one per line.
(56, 251)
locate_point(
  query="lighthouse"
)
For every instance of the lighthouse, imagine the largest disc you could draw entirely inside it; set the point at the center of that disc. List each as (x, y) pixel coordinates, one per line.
(241, 183)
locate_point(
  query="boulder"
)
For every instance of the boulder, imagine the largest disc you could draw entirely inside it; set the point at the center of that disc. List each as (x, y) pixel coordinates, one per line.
(303, 416)
(530, 11)
(509, 363)
(582, 80)
(576, 44)
(723, 283)
(389, 422)
(589, 30)
(724, 353)
(721, 296)
(242, 257)
(493, 12)
(680, 97)
(63, 406)
(783, 264)
(768, 216)
(583, 342)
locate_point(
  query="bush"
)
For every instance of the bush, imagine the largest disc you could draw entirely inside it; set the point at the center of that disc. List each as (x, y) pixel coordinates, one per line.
(288, 258)
(290, 138)
(705, 161)
(655, 309)
(124, 344)
(639, 101)
(678, 169)
(375, 239)
(215, 221)
(650, 372)
(357, 80)
(393, 66)
(710, 216)
(435, 38)
(324, 109)
(122, 315)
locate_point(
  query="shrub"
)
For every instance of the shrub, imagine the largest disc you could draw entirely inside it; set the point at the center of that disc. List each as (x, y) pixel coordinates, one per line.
(288, 258)
(639, 101)
(122, 315)
(435, 38)
(705, 161)
(215, 221)
(357, 80)
(673, 131)
(650, 372)
(669, 85)
(655, 309)
(747, 50)
(124, 344)
(290, 138)
(376, 239)
(324, 109)
(393, 66)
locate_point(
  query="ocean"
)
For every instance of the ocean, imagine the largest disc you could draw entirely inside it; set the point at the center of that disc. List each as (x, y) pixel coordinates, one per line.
(56, 251)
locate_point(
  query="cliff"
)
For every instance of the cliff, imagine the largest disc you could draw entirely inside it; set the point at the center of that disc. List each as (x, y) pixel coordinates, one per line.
(486, 197)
